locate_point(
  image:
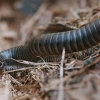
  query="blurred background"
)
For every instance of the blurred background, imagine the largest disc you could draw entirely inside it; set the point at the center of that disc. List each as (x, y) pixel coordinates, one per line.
(21, 20)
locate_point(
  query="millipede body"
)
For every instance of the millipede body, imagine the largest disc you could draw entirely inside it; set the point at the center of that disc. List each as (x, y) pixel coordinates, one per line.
(52, 44)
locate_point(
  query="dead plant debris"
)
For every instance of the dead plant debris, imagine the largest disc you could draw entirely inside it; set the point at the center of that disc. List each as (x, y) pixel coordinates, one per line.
(72, 77)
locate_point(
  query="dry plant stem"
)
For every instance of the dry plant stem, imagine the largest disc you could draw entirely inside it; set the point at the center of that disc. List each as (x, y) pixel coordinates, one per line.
(61, 86)
(76, 67)
(33, 65)
(75, 15)
(14, 80)
(28, 27)
(17, 70)
(34, 18)
(83, 69)
(73, 74)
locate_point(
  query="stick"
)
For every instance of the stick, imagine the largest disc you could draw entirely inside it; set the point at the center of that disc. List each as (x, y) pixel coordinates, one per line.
(61, 88)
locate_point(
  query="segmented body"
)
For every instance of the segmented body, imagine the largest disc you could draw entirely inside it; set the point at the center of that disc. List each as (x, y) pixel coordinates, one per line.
(52, 44)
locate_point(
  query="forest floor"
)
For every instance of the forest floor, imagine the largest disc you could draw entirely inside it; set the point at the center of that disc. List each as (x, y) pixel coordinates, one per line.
(69, 78)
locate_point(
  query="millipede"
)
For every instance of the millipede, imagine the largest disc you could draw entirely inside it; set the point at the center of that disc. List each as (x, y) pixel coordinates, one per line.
(53, 44)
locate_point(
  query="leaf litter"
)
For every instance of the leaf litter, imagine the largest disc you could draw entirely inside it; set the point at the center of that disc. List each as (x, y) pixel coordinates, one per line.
(74, 77)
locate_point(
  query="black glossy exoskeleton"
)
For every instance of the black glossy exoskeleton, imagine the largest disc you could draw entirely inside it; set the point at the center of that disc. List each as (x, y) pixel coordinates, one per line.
(52, 44)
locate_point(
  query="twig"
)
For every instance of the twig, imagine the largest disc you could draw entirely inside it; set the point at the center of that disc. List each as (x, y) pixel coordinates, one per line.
(17, 70)
(37, 66)
(26, 28)
(61, 88)
(8, 76)
(73, 74)
(83, 69)
(34, 18)
(74, 14)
